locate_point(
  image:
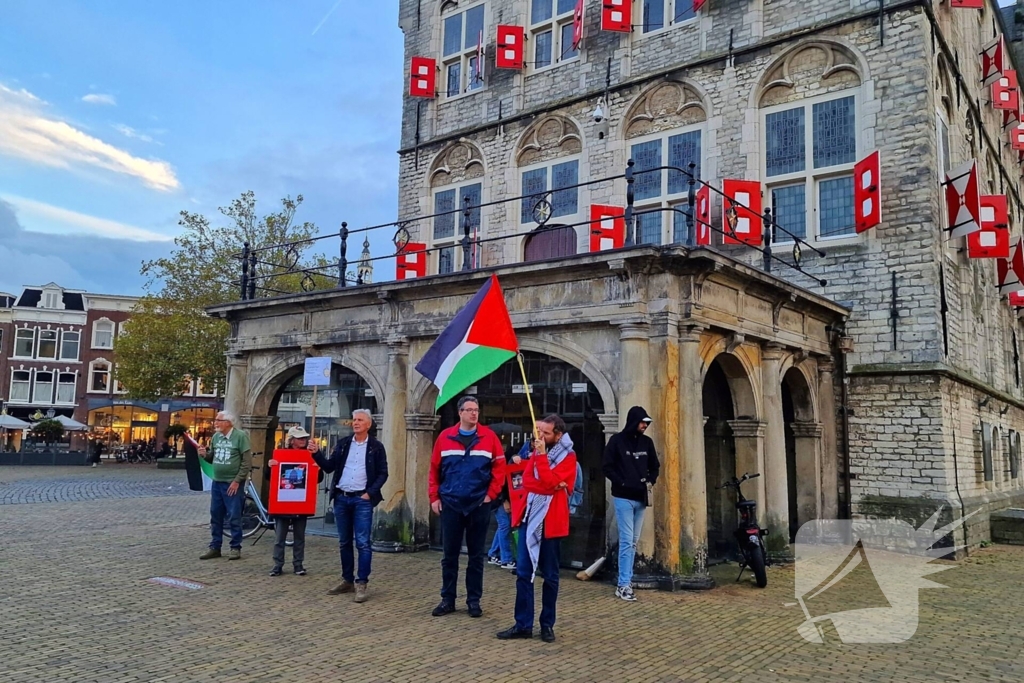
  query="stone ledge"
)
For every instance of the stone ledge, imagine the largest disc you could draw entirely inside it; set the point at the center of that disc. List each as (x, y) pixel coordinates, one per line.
(170, 463)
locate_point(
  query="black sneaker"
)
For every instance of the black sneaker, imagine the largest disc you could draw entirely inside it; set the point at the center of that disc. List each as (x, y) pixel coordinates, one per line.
(547, 634)
(494, 561)
(444, 607)
(475, 611)
(300, 570)
(514, 633)
(276, 571)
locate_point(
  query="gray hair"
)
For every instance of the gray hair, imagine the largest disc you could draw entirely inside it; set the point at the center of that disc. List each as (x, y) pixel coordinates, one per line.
(363, 411)
(229, 416)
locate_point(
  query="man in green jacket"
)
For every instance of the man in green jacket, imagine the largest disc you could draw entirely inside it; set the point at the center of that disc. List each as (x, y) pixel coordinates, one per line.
(230, 456)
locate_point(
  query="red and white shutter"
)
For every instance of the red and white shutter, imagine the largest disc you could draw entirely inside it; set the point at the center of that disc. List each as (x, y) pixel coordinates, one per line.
(993, 240)
(703, 210)
(697, 4)
(412, 261)
(577, 25)
(992, 61)
(510, 50)
(1011, 116)
(963, 200)
(967, 4)
(1005, 92)
(748, 216)
(617, 15)
(1011, 270)
(607, 227)
(867, 208)
(1017, 298)
(423, 77)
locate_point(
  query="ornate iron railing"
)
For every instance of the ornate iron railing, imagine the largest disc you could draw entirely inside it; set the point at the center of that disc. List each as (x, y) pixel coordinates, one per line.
(253, 283)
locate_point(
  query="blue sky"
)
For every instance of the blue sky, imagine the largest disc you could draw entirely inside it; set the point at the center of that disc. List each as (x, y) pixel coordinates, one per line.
(115, 116)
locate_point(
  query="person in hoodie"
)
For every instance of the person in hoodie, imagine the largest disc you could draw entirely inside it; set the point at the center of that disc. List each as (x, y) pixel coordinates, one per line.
(543, 518)
(631, 465)
(467, 471)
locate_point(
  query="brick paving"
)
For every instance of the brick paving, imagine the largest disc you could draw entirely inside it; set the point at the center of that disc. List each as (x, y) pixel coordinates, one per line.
(76, 606)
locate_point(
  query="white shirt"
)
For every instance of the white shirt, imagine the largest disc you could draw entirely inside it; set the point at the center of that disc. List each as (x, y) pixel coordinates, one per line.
(353, 477)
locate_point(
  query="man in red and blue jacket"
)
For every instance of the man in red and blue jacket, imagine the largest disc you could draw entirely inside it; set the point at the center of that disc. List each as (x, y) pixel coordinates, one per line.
(543, 521)
(467, 470)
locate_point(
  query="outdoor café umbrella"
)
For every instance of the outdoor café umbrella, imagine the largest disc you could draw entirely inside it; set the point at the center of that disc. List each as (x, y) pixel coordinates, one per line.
(70, 425)
(8, 422)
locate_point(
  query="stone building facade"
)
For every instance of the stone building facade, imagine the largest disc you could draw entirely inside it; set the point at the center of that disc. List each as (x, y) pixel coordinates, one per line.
(894, 389)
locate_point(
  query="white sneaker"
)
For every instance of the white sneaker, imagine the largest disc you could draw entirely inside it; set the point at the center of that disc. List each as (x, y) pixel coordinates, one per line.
(511, 566)
(625, 593)
(494, 560)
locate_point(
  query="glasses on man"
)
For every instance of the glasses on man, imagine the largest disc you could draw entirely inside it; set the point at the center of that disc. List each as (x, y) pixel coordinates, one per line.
(470, 410)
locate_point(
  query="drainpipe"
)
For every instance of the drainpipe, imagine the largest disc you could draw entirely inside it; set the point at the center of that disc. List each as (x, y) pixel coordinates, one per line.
(844, 406)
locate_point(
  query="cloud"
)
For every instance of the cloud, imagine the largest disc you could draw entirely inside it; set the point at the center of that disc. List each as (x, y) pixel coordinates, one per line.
(88, 262)
(28, 132)
(130, 132)
(95, 98)
(81, 223)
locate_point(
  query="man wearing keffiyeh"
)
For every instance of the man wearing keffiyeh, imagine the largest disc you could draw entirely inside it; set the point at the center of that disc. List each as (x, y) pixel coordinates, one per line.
(543, 520)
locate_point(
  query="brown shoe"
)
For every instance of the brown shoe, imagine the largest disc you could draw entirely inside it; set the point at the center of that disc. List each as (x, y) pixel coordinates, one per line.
(360, 592)
(235, 554)
(343, 587)
(210, 554)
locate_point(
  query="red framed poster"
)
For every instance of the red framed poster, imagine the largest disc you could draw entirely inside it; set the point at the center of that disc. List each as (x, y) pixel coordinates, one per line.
(293, 483)
(516, 490)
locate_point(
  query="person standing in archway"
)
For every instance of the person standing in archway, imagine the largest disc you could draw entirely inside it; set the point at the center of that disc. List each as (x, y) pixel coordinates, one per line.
(631, 465)
(297, 438)
(467, 471)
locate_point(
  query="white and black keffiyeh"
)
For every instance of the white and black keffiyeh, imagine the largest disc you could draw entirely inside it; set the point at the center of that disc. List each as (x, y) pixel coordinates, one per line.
(537, 504)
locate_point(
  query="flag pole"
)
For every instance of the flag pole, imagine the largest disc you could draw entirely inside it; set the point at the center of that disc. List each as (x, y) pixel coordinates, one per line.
(529, 401)
(312, 425)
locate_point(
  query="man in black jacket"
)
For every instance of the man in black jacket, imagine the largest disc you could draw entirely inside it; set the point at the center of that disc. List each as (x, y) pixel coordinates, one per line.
(631, 464)
(360, 467)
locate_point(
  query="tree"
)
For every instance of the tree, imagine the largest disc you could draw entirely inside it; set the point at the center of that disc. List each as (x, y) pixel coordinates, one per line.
(169, 337)
(48, 430)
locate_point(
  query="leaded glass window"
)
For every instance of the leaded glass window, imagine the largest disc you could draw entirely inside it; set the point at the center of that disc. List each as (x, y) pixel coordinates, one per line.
(444, 203)
(836, 206)
(789, 210)
(564, 202)
(653, 15)
(551, 28)
(683, 11)
(835, 140)
(648, 227)
(682, 150)
(535, 183)
(446, 260)
(784, 142)
(452, 34)
(542, 52)
(680, 229)
(647, 155)
(655, 192)
(463, 33)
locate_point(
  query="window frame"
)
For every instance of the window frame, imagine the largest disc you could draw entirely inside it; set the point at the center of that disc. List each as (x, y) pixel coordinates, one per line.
(95, 330)
(32, 342)
(463, 56)
(666, 199)
(435, 244)
(549, 167)
(78, 345)
(92, 370)
(39, 344)
(670, 11)
(555, 24)
(73, 384)
(35, 386)
(812, 177)
(28, 386)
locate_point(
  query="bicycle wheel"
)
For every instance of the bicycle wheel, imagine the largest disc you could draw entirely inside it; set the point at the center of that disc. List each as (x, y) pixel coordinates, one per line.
(757, 565)
(250, 519)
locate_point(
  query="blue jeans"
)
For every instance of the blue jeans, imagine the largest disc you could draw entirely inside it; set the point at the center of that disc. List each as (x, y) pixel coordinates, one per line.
(547, 569)
(221, 505)
(630, 517)
(502, 537)
(354, 517)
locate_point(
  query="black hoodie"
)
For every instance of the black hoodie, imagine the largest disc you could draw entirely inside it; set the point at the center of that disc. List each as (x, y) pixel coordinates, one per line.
(630, 461)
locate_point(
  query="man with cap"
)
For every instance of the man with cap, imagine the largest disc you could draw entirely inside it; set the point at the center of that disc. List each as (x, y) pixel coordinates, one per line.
(631, 464)
(297, 438)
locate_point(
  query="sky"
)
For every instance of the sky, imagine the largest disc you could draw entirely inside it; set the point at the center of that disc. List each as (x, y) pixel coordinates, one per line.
(116, 116)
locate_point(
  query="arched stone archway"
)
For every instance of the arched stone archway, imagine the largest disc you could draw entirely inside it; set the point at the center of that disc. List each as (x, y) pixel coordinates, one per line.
(265, 385)
(803, 435)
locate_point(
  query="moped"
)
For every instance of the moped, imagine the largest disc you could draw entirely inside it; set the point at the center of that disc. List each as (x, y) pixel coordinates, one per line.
(749, 536)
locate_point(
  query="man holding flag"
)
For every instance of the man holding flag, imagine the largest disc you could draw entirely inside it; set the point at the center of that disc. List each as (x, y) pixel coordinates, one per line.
(467, 467)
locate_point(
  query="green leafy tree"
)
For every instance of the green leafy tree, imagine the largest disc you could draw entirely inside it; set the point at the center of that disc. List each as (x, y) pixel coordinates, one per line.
(169, 337)
(50, 431)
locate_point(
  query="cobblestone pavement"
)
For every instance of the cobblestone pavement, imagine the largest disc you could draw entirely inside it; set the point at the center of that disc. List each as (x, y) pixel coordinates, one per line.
(76, 606)
(110, 480)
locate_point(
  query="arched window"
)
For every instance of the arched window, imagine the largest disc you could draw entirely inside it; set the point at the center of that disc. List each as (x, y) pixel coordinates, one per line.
(99, 376)
(455, 177)
(103, 334)
(548, 158)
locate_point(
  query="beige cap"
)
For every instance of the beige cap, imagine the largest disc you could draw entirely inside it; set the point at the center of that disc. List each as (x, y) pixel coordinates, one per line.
(298, 433)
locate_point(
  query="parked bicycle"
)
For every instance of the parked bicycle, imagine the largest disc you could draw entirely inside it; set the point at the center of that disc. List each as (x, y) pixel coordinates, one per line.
(255, 516)
(749, 535)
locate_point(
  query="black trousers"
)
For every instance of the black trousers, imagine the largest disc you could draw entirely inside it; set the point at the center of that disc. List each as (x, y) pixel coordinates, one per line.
(473, 527)
(298, 525)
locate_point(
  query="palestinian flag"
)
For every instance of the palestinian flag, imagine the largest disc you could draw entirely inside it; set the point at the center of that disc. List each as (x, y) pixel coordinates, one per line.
(476, 343)
(198, 471)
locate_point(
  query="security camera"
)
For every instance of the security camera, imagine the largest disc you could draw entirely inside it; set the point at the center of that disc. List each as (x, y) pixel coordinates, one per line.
(598, 113)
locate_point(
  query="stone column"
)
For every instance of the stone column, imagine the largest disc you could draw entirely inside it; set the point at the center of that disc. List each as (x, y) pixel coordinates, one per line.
(419, 444)
(610, 422)
(260, 429)
(392, 518)
(693, 495)
(664, 354)
(748, 438)
(775, 472)
(635, 390)
(807, 436)
(829, 442)
(237, 384)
